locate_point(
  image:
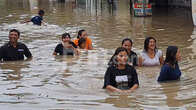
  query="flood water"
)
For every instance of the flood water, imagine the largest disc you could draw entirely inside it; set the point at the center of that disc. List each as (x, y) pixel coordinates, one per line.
(68, 83)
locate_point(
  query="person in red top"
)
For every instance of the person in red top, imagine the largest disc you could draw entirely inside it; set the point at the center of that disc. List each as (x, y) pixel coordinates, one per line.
(83, 34)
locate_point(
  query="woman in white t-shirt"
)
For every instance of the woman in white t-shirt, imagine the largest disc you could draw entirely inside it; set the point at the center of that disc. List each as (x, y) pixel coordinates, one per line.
(151, 56)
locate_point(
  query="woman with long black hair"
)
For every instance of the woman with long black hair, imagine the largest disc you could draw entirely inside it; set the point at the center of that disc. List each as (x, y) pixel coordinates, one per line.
(88, 42)
(170, 69)
(120, 77)
(151, 56)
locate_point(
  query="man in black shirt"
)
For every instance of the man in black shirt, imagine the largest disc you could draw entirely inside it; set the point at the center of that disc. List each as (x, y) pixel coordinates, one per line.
(14, 50)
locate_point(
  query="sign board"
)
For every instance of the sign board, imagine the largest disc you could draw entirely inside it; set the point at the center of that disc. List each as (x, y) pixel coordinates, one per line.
(142, 10)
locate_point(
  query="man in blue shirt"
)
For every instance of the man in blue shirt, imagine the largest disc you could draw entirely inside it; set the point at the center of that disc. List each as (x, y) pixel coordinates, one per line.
(37, 20)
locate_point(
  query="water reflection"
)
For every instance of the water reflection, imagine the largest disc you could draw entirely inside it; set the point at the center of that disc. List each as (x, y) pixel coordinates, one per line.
(171, 91)
(69, 61)
(33, 4)
(112, 7)
(122, 101)
(13, 70)
(139, 26)
(17, 4)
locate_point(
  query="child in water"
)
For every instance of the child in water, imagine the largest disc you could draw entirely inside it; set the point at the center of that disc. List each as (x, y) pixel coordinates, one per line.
(37, 20)
(67, 47)
(170, 69)
(83, 34)
(120, 76)
(82, 43)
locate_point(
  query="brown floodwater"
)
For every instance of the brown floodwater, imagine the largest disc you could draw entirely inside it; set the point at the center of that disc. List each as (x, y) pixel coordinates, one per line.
(68, 83)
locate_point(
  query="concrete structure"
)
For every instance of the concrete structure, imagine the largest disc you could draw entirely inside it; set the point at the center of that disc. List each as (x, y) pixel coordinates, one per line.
(175, 3)
(181, 3)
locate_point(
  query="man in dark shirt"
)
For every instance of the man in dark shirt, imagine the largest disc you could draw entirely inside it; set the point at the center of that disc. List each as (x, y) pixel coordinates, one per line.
(14, 50)
(37, 20)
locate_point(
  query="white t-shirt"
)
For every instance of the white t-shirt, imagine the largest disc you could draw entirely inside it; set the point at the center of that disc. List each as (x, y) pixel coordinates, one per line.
(147, 61)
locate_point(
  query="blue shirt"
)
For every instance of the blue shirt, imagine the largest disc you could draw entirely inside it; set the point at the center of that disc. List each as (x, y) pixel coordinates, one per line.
(168, 73)
(37, 20)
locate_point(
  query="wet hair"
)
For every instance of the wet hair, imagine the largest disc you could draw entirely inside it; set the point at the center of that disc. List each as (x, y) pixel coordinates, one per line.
(41, 12)
(171, 55)
(127, 39)
(15, 30)
(113, 60)
(146, 43)
(66, 35)
(81, 40)
(80, 33)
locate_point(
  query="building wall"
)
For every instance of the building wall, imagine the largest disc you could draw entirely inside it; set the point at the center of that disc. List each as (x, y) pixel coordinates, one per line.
(180, 3)
(175, 3)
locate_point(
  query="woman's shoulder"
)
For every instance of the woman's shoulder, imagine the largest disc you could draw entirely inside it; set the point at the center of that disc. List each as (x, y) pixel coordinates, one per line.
(88, 40)
(166, 66)
(130, 67)
(111, 67)
(143, 54)
(59, 45)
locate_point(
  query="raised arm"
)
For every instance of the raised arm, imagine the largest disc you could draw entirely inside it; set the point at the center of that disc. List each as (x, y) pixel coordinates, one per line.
(57, 49)
(161, 59)
(140, 61)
